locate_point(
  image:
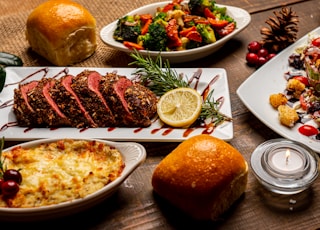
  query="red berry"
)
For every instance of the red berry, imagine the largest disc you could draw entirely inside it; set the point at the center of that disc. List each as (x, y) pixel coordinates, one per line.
(12, 174)
(316, 42)
(254, 47)
(9, 188)
(252, 58)
(263, 52)
(271, 55)
(261, 61)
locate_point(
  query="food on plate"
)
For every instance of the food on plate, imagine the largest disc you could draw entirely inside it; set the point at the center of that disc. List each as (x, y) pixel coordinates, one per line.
(88, 99)
(277, 99)
(180, 107)
(287, 115)
(312, 63)
(10, 179)
(61, 171)
(295, 87)
(62, 31)
(303, 96)
(203, 177)
(176, 26)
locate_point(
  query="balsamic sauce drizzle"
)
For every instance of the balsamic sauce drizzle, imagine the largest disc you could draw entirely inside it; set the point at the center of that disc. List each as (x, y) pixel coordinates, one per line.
(166, 130)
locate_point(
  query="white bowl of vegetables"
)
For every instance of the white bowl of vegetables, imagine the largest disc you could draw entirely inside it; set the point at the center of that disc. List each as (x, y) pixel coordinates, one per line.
(187, 46)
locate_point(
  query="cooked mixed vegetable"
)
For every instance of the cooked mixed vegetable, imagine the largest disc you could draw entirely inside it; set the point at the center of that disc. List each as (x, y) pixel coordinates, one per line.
(176, 26)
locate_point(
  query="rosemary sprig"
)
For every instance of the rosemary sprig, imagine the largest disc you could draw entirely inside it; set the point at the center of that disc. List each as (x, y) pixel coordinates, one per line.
(156, 74)
(210, 110)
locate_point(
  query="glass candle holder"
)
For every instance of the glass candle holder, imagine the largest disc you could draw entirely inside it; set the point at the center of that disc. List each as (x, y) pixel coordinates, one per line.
(285, 166)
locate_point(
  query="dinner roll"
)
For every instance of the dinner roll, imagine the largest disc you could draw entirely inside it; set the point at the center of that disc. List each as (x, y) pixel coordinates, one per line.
(203, 177)
(62, 31)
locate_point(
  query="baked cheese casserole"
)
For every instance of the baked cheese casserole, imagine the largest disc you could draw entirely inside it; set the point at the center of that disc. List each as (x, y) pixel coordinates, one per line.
(61, 171)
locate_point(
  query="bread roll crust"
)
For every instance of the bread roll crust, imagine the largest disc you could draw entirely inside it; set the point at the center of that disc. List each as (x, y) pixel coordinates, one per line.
(62, 31)
(203, 176)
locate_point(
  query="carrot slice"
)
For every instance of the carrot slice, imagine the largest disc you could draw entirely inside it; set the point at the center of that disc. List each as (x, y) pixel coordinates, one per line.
(132, 45)
(145, 28)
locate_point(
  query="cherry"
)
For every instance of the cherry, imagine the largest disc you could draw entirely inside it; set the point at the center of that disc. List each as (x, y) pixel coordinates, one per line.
(271, 55)
(263, 52)
(262, 60)
(316, 42)
(254, 47)
(12, 174)
(252, 58)
(9, 188)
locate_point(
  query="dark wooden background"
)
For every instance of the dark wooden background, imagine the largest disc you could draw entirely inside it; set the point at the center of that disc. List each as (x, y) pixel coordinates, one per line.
(134, 205)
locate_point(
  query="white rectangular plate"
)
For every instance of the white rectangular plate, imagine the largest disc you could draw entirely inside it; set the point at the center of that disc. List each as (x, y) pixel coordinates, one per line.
(155, 133)
(267, 80)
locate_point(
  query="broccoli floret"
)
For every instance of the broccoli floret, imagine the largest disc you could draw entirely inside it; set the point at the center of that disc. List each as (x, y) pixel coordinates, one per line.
(128, 29)
(156, 38)
(207, 33)
(160, 16)
(221, 13)
(197, 6)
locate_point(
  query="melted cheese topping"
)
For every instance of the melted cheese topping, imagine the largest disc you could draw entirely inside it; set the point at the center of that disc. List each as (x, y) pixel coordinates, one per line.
(61, 171)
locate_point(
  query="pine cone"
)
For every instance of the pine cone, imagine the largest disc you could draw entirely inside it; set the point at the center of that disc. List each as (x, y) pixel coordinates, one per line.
(282, 32)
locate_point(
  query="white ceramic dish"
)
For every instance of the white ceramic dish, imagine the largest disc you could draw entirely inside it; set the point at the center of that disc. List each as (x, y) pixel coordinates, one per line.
(267, 80)
(156, 132)
(133, 154)
(241, 16)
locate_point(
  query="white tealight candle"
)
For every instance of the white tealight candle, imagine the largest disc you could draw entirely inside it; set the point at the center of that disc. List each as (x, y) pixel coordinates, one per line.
(282, 171)
(286, 161)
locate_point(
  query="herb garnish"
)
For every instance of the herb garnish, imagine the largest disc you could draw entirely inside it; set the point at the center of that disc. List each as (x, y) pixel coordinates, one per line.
(160, 78)
(156, 74)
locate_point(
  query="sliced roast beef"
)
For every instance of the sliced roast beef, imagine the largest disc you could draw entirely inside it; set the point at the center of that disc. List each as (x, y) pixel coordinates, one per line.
(113, 89)
(68, 102)
(86, 86)
(25, 114)
(86, 100)
(48, 113)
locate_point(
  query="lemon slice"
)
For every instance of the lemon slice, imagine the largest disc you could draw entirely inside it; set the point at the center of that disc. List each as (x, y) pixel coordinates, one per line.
(179, 107)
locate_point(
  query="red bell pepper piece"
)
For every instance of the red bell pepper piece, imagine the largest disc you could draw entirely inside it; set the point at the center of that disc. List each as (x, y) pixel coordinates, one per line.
(172, 33)
(183, 33)
(194, 36)
(168, 7)
(132, 45)
(218, 24)
(208, 13)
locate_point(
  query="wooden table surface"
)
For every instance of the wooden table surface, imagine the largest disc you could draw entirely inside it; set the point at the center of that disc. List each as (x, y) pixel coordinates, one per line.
(134, 205)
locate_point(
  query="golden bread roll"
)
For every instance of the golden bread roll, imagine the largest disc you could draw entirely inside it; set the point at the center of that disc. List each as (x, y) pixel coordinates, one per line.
(62, 31)
(203, 177)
